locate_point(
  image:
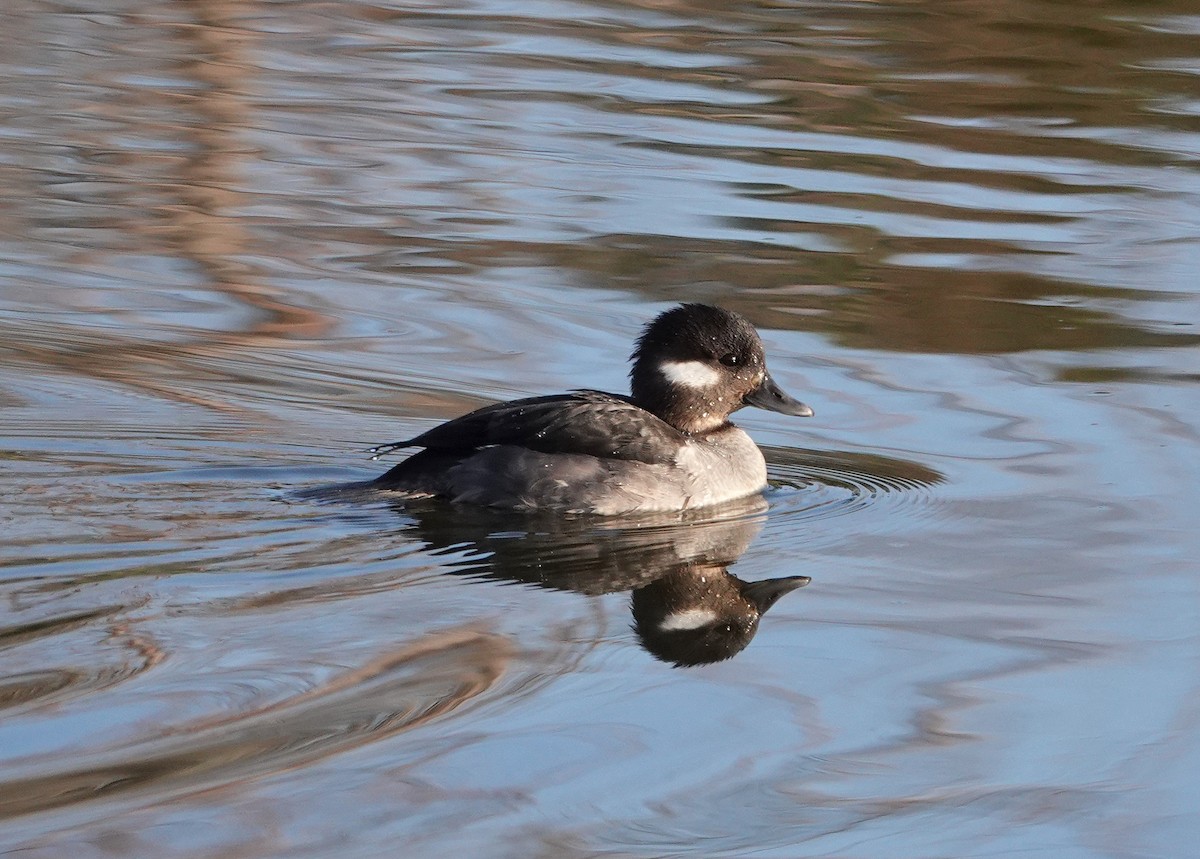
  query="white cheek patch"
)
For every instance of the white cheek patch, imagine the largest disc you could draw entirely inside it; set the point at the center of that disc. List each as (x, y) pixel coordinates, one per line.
(690, 374)
(692, 618)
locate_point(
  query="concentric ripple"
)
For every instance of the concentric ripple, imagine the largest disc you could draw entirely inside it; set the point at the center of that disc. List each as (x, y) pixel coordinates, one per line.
(812, 485)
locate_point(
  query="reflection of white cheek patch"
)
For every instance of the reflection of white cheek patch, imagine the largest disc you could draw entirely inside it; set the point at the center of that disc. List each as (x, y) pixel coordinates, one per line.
(692, 618)
(691, 374)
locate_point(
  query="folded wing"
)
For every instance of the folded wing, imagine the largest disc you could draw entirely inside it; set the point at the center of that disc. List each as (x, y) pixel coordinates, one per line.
(586, 422)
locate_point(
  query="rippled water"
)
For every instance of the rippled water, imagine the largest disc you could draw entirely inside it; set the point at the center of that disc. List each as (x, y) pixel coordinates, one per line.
(241, 242)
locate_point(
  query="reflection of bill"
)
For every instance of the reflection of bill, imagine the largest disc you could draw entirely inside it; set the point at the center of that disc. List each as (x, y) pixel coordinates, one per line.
(687, 608)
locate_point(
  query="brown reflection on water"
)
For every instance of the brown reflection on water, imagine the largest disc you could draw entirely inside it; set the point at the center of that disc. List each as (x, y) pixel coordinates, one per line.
(861, 304)
(1051, 70)
(943, 311)
(37, 678)
(1045, 72)
(397, 692)
(206, 227)
(907, 103)
(190, 207)
(1072, 100)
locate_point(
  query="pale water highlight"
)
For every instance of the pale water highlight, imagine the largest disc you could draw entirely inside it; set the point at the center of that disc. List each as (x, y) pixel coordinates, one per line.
(241, 243)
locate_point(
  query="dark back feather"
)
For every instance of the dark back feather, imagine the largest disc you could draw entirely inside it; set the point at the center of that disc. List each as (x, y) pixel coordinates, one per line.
(587, 422)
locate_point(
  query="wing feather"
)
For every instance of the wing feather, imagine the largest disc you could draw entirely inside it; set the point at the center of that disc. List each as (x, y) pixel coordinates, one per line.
(586, 422)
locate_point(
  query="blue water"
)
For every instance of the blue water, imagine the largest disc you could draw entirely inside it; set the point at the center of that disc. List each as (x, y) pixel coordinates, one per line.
(240, 244)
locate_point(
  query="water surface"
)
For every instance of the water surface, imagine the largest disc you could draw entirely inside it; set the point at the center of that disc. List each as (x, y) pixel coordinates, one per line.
(240, 242)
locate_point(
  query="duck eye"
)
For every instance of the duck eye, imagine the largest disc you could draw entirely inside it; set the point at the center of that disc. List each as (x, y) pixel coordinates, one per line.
(730, 359)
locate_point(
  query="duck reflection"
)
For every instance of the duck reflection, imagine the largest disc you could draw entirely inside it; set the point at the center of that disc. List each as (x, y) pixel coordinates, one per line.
(688, 609)
(700, 613)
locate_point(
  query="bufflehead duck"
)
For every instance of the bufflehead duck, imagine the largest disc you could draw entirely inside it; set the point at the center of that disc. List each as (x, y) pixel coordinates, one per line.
(668, 446)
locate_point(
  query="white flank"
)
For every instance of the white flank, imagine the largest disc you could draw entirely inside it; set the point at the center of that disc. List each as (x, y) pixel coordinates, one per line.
(692, 618)
(691, 374)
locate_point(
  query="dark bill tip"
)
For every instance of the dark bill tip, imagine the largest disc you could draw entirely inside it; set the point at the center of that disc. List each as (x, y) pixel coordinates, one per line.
(771, 397)
(766, 593)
